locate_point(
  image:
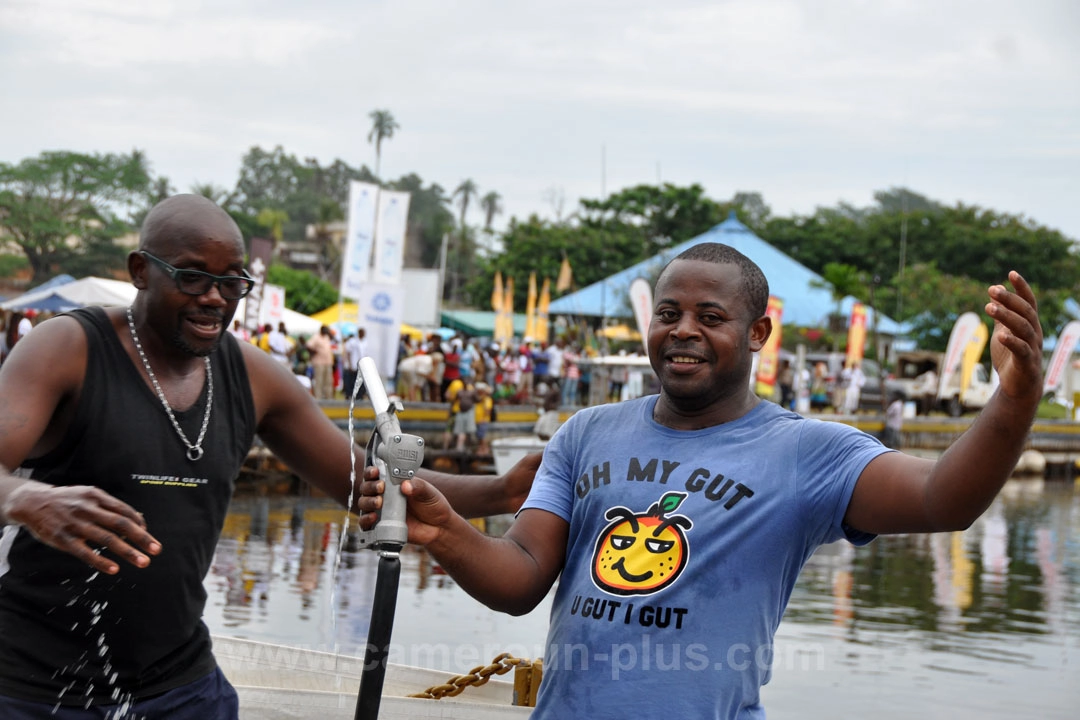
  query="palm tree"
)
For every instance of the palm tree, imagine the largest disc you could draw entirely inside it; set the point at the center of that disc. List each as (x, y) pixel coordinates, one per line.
(465, 192)
(383, 126)
(274, 221)
(492, 206)
(327, 212)
(841, 280)
(210, 191)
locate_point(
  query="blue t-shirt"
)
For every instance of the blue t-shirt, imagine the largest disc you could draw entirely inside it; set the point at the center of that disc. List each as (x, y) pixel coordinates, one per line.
(683, 550)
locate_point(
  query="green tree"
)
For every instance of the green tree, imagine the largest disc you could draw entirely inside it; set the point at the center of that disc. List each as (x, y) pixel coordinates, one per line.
(63, 209)
(460, 255)
(429, 220)
(328, 212)
(277, 179)
(11, 264)
(841, 280)
(158, 189)
(539, 246)
(465, 193)
(273, 220)
(660, 216)
(907, 230)
(383, 126)
(304, 292)
(210, 191)
(752, 209)
(491, 204)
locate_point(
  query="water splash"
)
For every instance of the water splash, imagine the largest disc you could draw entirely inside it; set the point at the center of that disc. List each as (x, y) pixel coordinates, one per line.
(124, 701)
(343, 537)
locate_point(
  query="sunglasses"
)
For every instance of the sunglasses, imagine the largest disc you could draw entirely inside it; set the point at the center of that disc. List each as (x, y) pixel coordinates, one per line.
(197, 282)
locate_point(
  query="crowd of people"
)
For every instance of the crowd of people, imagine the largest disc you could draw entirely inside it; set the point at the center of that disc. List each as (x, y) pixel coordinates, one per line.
(677, 522)
(474, 375)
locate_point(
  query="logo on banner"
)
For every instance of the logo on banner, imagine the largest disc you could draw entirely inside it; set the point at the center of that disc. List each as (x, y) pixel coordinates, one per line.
(381, 302)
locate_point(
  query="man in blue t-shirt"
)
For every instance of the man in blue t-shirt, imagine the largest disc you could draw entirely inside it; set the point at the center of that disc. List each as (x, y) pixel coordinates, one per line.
(677, 524)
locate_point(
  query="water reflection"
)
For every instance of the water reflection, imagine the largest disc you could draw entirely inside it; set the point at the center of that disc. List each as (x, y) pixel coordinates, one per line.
(982, 623)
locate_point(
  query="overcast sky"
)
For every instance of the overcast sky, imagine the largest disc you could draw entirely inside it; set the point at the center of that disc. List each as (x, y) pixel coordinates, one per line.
(810, 102)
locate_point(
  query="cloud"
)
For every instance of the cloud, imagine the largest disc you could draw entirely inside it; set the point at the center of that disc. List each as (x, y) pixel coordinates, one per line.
(808, 103)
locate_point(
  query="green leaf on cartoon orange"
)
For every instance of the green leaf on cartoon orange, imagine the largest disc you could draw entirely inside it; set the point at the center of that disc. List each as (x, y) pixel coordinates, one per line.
(670, 502)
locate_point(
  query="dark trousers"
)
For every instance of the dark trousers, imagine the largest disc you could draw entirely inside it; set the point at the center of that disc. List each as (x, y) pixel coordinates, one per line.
(209, 698)
(348, 381)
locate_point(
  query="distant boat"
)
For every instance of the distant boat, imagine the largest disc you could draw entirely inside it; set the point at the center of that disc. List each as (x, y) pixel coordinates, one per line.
(281, 682)
(506, 451)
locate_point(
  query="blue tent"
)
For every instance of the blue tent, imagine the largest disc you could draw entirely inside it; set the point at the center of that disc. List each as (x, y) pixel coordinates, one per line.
(45, 303)
(804, 304)
(62, 279)
(50, 302)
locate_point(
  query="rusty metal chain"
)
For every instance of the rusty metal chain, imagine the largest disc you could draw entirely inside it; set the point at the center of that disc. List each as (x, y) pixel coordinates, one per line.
(476, 677)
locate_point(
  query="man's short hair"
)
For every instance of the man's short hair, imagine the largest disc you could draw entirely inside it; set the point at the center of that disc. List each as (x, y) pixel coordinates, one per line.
(754, 283)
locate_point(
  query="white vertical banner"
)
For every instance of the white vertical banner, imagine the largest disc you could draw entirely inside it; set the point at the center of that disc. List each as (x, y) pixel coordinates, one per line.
(390, 237)
(358, 237)
(381, 309)
(642, 302)
(272, 308)
(1066, 344)
(962, 333)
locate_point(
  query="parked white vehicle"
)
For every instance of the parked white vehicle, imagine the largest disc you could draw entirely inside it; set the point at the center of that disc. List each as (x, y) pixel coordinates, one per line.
(973, 396)
(910, 375)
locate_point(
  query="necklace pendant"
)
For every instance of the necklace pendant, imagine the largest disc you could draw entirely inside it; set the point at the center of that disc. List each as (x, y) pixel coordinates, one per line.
(194, 452)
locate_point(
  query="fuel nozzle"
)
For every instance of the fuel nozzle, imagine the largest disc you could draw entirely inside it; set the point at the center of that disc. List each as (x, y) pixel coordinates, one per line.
(397, 455)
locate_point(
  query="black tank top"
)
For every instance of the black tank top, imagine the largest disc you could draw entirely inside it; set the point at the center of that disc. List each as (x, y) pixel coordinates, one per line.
(64, 629)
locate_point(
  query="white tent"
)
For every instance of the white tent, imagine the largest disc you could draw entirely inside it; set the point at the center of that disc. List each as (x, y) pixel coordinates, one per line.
(79, 293)
(120, 293)
(295, 323)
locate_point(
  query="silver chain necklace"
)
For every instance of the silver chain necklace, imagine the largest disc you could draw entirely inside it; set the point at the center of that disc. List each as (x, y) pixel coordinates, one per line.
(194, 452)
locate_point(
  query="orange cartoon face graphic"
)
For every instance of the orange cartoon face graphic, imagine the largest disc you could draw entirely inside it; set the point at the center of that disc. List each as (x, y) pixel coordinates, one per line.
(639, 554)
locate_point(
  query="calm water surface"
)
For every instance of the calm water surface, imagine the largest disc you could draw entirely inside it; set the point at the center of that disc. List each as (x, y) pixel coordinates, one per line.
(979, 624)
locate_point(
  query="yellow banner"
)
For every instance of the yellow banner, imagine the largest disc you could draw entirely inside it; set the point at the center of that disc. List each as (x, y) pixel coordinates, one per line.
(507, 314)
(856, 335)
(530, 309)
(497, 293)
(566, 277)
(972, 352)
(769, 357)
(542, 312)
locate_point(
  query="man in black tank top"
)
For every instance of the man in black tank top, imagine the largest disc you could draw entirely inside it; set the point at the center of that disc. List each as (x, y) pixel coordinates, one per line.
(129, 427)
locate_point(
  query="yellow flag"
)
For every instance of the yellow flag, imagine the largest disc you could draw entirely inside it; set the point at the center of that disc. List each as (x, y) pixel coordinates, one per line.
(566, 277)
(856, 338)
(972, 353)
(542, 311)
(769, 357)
(530, 309)
(508, 312)
(497, 293)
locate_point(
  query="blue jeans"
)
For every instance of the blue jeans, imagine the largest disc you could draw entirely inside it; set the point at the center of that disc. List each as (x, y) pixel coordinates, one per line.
(569, 391)
(209, 698)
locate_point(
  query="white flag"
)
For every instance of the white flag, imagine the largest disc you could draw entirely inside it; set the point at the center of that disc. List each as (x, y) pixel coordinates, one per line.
(962, 333)
(272, 309)
(390, 237)
(641, 300)
(358, 237)
(381, 310)
(1066, 343)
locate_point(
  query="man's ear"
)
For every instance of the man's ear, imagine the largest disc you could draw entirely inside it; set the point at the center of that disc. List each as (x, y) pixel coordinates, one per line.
(760, 330)
(137, 269)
